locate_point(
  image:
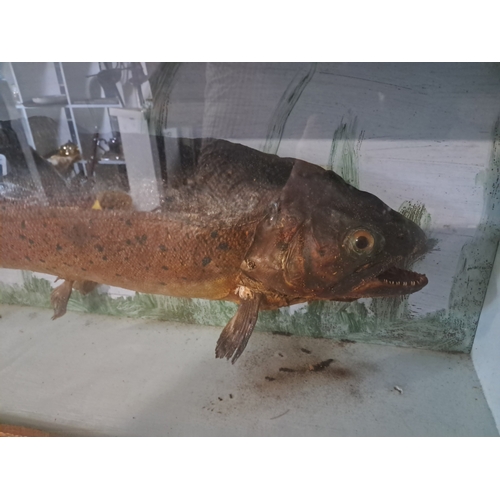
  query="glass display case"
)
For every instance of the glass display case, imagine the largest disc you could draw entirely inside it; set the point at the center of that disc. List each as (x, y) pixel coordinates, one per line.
(326, 205)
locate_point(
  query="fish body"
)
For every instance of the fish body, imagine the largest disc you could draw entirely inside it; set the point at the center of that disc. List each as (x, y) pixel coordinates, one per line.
(143, 251)
(237, 225)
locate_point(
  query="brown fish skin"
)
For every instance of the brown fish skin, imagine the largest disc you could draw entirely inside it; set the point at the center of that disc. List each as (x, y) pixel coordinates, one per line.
(256, 229)
(105, 200)
(145, 252)
(325, 240)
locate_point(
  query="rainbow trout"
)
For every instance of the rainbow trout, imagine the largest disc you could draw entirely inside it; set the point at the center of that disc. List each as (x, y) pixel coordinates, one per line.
(236, 225)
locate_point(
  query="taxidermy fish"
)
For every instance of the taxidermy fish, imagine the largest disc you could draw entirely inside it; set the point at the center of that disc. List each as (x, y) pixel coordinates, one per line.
(236, 224)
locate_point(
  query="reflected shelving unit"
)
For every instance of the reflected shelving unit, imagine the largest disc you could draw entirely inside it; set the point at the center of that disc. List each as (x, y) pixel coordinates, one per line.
(69, 97)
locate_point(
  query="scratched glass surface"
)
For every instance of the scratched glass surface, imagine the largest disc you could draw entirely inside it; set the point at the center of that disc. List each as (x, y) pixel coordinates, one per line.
(348, 201)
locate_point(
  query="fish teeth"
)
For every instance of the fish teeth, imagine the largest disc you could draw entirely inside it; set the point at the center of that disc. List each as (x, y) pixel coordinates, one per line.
(401, 283)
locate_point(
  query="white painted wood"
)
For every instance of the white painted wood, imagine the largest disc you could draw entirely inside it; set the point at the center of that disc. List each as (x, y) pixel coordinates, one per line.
(486, 349)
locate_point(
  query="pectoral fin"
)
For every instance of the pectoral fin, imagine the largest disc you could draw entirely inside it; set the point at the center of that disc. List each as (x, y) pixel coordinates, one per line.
(59, 298)
(234, 337)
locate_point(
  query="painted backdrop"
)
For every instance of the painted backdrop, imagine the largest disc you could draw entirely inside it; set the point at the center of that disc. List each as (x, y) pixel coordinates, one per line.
(425, 138)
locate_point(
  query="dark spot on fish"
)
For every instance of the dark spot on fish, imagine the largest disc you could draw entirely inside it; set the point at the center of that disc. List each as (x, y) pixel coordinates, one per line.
(128, 222)
(321, 366)
(270, 379)
(44, 224)
(206, 261)
(280, 355)
(104, 257)
(91, 261)
(83, 269)
(128, 242)
(165, 268)
(287, 370)
(118, 275)
(99, 248)
(22, 236)
(183, 278)
(214, 234)
(347, 341)
(163, 248)
(162, 283)
(58, 247)
(230, 396)
(141, 239)
(147, 268)
(223, 246)
(41, 260)
(23, 224)
(286, 334)
(27, 258)
(78, 233)
(307, 351)
(31, 242)
(220, 399)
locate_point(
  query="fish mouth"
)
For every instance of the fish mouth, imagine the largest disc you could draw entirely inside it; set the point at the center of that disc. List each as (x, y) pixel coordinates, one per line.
(392, 281)
(395, 277)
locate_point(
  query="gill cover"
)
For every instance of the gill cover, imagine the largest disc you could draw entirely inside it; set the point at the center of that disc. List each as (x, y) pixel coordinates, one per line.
(288, 246)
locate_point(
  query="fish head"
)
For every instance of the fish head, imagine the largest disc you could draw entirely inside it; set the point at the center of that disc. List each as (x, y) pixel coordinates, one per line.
(323, 239)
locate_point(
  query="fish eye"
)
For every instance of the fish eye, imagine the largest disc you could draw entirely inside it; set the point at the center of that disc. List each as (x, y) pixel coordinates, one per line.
(360, 241)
